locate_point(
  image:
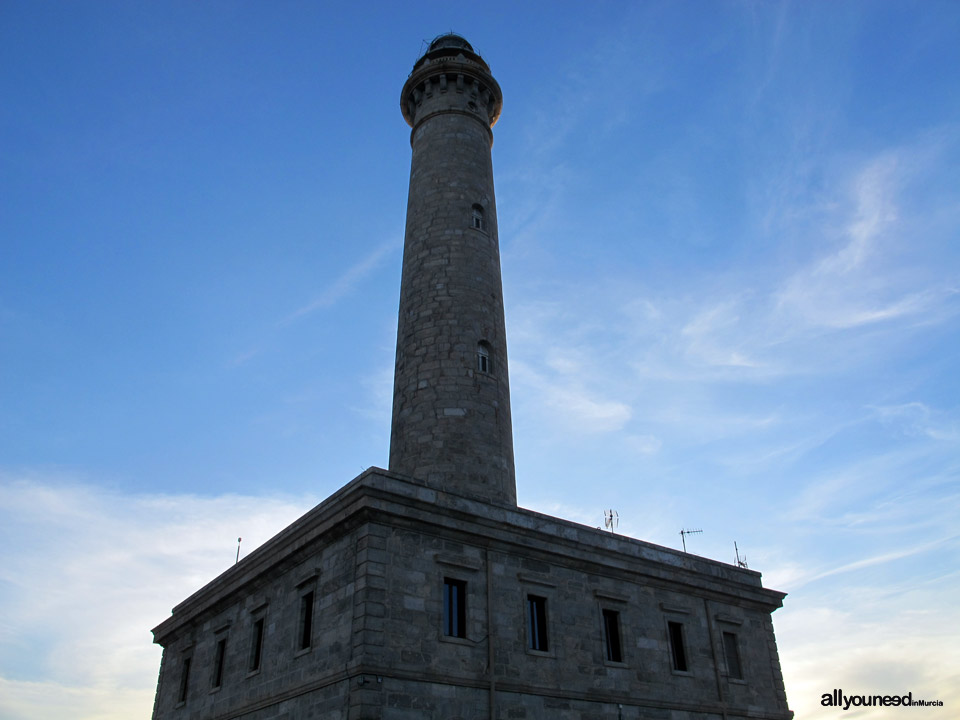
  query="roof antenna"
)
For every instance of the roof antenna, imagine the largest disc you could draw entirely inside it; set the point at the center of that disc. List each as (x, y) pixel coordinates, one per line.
(683, 536)
(610, 520)
(238, 549)
(741, 561)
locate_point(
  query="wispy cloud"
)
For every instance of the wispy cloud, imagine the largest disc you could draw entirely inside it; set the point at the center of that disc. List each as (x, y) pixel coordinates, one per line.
(863, 282)
(708, 333)
(873, 485)
(540, 183)
(917, 418)
(876, 209)
(567, 400)
(867, 272)
(882, 558)
(345, 283)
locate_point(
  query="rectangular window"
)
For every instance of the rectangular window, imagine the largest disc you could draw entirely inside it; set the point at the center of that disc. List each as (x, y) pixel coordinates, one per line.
(483, 358)
(537, 622)
(454, 608)
(218, 662)
(611, 635)
(676, 646)
(306, 620)
(478, 217)
(732, 653)
(184, 681)
(256, 645)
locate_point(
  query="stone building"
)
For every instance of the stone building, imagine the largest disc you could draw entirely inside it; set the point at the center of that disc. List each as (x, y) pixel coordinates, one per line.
(423, 591)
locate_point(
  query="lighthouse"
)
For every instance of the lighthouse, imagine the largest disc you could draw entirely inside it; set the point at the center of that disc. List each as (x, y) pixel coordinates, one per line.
(423, 590)
(451, 400)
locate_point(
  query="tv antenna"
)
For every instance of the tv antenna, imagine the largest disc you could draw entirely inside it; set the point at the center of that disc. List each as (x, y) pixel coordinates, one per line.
(610, 519)
(683, 536)
(741, 561)
(238, 549)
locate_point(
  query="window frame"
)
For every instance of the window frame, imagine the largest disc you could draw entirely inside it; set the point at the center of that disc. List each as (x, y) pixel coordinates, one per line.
(612, 636)
(538, 627)
(258, 632)
(306, 625)
(478, 218)
(738, 659)
(484, 358)
(219, 663)
(183, 686)
(679, 661)
(454, 608)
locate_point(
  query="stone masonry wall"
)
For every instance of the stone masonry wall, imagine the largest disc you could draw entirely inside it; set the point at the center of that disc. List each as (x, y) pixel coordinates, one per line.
(572, 678)
(288, 676)
(376, 555)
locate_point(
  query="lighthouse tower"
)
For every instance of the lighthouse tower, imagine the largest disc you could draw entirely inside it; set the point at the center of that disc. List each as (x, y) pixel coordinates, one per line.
(451, 399)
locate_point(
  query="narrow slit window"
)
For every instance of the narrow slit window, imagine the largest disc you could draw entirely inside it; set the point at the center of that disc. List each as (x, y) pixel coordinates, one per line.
(484, 364)
(184, 680)
(218, 662)
(537, 622)
(454, 608)
(611, 635)
(732, 654)
(306, 621)
(256, 645)
(676, 646)
(477, 221)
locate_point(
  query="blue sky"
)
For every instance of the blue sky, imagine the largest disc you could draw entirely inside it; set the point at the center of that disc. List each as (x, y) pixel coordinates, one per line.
(729, 237)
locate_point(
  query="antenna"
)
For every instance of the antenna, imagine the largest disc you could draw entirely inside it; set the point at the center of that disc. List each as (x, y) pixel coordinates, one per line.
(238, 549)
(610, 519)
(683, 536)
(741, 561)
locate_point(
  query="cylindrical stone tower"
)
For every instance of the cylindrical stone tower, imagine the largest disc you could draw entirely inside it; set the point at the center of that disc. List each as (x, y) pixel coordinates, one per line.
(451, 397)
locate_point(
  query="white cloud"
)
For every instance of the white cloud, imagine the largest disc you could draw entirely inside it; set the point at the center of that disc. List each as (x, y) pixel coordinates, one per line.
(871, 640)
(87, 574)
(25, 700)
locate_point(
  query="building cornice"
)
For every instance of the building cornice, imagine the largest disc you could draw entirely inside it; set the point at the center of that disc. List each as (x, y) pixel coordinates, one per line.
(388, 498)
